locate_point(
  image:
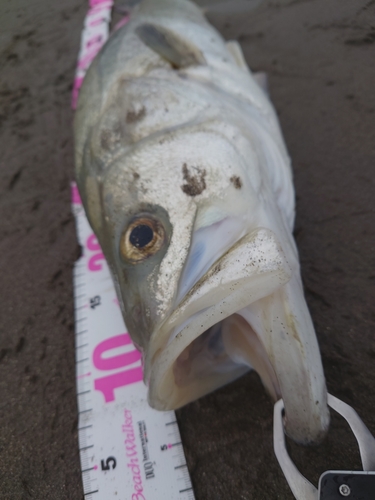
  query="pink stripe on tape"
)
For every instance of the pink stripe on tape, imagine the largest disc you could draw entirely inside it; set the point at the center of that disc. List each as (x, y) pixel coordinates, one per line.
(76, 199)
(93, 3)
(96, 22)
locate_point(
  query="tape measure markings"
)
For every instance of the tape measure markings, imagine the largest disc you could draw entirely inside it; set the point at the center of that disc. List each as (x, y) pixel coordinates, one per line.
(126, 448)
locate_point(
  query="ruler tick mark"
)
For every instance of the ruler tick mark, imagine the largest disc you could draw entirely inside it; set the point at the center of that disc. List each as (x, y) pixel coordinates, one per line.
(80, 307)
(187, 489)
(85, 427)
(174, 444)
(83, 392)
(170, 423)
(180, 466)
(84, 411)
(91, 468)
(91, 492)
(82, 360)
(86, 447)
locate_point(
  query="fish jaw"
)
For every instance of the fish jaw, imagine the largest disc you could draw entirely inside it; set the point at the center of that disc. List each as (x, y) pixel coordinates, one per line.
(283, 323)
(247, 311)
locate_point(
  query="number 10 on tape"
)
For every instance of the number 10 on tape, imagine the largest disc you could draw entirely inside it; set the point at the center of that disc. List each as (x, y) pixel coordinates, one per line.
(127, 449)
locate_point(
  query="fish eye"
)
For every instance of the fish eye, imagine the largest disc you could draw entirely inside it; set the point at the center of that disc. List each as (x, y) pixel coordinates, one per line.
(142, 238)
(141, 235)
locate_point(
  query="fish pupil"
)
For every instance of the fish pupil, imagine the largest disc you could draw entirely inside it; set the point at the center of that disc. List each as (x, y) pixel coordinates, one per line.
(141, 236)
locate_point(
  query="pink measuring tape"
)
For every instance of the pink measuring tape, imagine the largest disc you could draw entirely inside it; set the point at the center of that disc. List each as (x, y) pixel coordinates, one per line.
(127, 449)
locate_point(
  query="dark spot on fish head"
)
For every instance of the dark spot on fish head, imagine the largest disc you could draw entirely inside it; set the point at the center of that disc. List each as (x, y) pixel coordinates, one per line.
(135, 116)
(136, 176)
(195, 182)
(236, 181)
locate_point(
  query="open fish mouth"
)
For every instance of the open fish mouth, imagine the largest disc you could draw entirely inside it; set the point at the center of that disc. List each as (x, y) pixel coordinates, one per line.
(246, 311)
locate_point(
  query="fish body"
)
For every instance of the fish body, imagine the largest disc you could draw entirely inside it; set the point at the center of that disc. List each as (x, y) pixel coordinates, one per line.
(187, 184)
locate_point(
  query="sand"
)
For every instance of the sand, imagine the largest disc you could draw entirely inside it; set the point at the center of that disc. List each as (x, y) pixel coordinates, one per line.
(319, 55)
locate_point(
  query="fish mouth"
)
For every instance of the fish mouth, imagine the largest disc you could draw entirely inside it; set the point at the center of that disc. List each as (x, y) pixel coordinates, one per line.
(247, 311)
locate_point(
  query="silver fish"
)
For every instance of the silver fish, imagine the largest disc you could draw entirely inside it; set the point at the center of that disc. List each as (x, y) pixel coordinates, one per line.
(187, 184)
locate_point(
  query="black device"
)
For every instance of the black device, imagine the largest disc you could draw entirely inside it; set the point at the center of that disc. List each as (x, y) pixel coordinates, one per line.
(338, 485)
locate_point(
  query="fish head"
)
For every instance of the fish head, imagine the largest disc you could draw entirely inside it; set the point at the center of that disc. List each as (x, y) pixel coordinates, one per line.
(207, 273)
(153, 204)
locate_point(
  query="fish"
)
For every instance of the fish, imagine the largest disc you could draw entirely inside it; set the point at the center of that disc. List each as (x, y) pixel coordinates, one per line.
(187, 183)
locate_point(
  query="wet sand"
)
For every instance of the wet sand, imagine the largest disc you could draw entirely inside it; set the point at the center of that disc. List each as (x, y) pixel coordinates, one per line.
(319, 55)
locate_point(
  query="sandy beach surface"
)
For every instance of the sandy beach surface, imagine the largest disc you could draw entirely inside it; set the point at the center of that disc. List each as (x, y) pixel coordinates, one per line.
(319, 56)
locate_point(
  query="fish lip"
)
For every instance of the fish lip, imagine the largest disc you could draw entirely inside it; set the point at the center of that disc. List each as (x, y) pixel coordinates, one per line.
(270, 275)
(172, 326)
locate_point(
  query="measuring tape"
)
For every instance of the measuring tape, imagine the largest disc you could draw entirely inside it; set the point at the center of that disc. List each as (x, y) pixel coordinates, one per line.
(127, 449)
